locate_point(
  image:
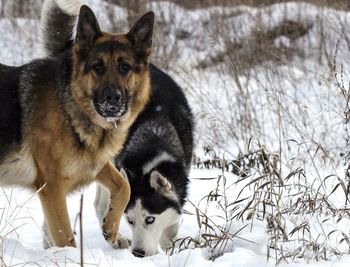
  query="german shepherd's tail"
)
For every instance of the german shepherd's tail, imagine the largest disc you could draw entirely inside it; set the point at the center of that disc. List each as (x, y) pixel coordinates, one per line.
(57, 23)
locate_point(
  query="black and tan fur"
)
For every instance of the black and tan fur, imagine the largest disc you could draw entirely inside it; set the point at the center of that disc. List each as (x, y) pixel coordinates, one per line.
(63, 118)
(157, 154)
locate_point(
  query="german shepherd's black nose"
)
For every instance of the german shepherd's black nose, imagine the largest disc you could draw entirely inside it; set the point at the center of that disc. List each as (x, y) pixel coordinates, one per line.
(138, 253)
(110, 102)
(112, 96)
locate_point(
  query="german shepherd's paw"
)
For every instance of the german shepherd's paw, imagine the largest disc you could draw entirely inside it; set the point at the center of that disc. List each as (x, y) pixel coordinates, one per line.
(116, 240)
(107, 235)
(122, 242)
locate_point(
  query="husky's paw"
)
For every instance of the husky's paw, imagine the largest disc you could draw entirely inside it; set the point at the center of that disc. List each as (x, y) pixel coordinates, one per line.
(47, 243)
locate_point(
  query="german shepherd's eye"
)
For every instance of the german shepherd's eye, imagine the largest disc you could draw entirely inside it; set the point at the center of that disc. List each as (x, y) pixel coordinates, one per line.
(124, 67)
(98, 67)
(150, 219)
(130, 221)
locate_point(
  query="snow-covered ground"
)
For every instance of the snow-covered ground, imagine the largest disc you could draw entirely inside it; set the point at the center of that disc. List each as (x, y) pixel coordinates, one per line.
(293, 110)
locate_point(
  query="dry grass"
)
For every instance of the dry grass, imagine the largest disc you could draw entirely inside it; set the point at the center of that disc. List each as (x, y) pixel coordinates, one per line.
(294, 207)
(194, 4)
(11, 221)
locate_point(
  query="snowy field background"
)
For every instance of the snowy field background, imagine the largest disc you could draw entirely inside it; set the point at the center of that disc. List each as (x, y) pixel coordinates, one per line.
(269, 87)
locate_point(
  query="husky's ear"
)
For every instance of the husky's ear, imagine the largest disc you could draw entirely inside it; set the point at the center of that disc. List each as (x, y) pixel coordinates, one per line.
(123, 172)
(140, 35)
(162, 185)
(88, 30)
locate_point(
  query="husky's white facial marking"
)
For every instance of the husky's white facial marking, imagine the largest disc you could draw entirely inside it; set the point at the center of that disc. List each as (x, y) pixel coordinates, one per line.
(147, 228)
(155, 162)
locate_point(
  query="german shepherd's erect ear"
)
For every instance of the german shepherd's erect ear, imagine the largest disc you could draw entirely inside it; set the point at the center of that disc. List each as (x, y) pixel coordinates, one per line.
(140, 35)
(88, 30)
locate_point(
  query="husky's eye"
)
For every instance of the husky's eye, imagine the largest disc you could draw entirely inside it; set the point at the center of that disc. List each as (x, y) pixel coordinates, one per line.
(150, 219)
(98, 67)
(124, 67)
(130, 221)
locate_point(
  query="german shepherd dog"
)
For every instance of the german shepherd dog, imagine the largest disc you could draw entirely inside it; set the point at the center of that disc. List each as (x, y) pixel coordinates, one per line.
(64, 118)
(157, 155)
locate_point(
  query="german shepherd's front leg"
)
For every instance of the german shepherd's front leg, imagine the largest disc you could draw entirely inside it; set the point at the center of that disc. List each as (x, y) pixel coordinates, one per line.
(120, 194)
(54, 204)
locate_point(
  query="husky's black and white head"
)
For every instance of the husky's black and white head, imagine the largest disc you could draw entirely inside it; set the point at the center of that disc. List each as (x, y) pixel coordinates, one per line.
(153, 212)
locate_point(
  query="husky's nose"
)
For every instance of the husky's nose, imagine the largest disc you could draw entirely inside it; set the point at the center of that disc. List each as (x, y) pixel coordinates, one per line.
(138, 253)
(112, 95)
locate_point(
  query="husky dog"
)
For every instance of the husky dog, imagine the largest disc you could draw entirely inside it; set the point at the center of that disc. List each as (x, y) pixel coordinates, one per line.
(157, 155)
(64, 118)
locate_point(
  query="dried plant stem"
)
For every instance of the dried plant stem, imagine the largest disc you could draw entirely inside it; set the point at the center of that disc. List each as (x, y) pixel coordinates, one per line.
(81, 231)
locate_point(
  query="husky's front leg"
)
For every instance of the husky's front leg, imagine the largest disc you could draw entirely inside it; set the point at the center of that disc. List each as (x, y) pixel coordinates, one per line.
(47, 241)
(119, 189)
(53, 201)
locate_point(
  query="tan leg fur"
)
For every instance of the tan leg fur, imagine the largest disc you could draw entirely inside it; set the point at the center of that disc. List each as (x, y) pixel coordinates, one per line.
(119, 188)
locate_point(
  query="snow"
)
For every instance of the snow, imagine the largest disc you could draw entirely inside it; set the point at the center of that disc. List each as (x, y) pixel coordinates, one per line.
(24, 244)
(295, 110)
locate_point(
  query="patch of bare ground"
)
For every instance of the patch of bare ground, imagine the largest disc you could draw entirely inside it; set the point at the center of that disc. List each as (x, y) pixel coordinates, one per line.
(260, 46)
